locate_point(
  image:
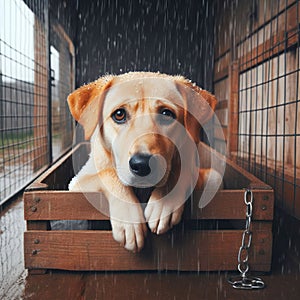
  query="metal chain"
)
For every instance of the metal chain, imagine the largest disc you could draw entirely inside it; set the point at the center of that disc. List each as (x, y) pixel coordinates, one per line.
(244, 281)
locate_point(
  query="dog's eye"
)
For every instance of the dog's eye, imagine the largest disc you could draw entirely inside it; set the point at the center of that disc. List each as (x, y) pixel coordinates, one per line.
(166, 116)
(119, 116)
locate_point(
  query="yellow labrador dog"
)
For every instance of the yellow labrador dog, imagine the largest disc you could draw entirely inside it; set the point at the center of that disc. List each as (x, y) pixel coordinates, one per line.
(143, 128)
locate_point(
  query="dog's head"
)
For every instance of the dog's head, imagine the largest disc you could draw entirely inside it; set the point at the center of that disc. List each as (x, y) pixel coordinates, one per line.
(143, 118)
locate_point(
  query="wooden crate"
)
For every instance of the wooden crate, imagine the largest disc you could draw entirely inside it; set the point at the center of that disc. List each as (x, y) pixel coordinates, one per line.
(207, 240)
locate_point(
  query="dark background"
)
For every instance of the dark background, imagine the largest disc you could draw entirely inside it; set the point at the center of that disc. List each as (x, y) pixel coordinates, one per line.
(114, 36)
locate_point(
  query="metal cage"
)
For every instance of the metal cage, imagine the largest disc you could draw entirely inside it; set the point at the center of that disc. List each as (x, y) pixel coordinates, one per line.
(35, 125)
(261, 92)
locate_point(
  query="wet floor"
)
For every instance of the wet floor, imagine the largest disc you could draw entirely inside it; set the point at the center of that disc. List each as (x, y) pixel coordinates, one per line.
(15, 283)
(12, 273)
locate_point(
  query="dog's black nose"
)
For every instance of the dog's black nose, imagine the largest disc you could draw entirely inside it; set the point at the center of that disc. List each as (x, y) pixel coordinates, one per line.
(139, 164)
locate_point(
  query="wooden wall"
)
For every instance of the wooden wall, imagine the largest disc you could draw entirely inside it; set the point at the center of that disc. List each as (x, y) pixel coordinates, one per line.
(256, 78)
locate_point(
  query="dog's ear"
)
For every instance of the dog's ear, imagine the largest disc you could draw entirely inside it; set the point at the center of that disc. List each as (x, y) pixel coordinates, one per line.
(86, 102)
(199, 106)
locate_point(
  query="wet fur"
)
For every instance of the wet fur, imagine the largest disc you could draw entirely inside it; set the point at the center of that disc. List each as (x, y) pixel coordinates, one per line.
(142, 94)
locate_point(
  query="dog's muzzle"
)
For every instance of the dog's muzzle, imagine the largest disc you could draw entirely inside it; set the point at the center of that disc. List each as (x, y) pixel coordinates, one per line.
(140, 164)
(148, 170)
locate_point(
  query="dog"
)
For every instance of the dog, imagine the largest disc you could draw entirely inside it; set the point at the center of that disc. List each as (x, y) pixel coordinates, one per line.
(143, 128)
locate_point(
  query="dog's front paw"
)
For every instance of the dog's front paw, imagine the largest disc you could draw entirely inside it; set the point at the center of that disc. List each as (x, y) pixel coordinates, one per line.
(162, 214)
(130, 236)
(128, 224)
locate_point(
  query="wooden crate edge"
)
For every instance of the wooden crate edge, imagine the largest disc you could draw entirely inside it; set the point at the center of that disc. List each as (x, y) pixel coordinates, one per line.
(208, 250)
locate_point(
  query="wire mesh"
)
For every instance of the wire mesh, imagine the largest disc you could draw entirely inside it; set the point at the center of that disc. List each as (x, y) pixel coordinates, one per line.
(269, 127)
(25, 97)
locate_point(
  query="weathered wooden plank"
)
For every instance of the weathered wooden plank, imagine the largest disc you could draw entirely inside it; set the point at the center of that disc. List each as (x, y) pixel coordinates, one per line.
(96, 250)
(37, 225)
(222, 63)
(226, 204)
(221, 74)
(236, 172)
(60, 173)
(230, 205)
(40, 98)
(274, 46)
(233, 111)
(221, 90)
(64, 205)
(222, 104)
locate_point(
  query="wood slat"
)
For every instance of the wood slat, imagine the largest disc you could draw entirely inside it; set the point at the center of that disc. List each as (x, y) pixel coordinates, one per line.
(64, 205)
(222, 63)
(229, 205)
(221, 74)
(60, 173)
(233, 111)
(222, 104)
(245, 178)
(96, 250)
(270, 48)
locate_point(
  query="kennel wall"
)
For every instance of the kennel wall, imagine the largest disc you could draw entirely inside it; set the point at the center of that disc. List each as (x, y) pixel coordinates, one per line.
(256, 80)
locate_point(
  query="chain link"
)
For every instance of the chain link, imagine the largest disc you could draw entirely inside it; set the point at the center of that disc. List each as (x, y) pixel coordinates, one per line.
(244, 281)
